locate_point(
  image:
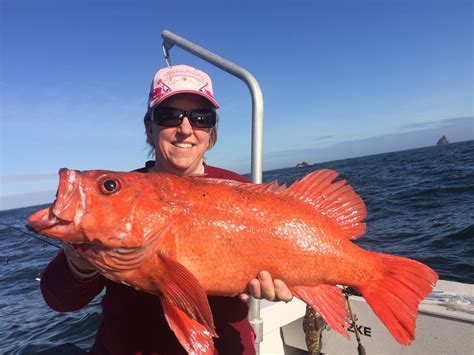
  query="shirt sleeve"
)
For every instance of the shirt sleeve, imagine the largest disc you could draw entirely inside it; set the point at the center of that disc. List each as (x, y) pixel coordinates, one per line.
(62, 291)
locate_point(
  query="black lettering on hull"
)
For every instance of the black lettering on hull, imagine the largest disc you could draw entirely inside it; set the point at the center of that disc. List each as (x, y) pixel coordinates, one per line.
(362, 330)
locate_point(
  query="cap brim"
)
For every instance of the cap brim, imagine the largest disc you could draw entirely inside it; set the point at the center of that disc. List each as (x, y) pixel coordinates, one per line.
(164, 97)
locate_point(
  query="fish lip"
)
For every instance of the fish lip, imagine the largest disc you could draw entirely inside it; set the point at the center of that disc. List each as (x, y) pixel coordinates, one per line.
(62, 218)
(42, 219)
(66, 206)
(45, 219)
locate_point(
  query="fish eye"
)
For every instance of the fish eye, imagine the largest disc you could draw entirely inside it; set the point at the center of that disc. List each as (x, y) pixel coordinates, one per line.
(109, 185)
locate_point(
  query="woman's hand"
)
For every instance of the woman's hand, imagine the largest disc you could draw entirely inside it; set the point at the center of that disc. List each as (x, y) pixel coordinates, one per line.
(80, 267)
(264, 287)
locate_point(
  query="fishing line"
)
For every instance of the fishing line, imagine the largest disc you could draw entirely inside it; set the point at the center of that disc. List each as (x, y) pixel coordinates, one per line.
(360, 347)
(31, 235)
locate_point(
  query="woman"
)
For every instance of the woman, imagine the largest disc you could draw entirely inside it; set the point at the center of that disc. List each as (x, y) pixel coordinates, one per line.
(180, 126)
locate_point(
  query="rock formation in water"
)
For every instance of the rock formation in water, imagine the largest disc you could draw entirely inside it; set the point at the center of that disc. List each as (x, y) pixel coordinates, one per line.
(442, 140)
(303, 164)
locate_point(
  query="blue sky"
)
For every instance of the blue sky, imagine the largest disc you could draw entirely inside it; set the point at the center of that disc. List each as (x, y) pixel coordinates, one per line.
(339, 78)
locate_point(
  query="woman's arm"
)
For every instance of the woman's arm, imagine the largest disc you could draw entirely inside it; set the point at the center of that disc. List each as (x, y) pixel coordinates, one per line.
(63, 290)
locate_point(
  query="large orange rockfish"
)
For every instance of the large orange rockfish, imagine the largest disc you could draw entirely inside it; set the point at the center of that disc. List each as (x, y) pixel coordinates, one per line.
(183, 238)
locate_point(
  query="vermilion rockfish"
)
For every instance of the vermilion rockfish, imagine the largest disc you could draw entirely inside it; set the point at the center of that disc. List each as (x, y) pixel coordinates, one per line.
(183, 238)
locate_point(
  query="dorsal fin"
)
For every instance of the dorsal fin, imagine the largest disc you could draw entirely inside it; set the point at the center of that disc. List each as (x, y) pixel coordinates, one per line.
(336, 200)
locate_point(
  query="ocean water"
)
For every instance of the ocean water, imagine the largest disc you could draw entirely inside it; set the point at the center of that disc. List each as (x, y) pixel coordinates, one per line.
(420, 205)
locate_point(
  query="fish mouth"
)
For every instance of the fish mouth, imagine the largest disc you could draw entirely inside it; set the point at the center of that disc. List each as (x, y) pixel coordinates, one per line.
(45, 222)
(42, 219)
(61, 220)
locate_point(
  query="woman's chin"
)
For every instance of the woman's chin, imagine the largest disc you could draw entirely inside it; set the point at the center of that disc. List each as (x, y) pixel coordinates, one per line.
(185, 166)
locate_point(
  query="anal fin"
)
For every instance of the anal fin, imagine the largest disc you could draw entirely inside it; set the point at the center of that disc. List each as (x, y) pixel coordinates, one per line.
(328, 302)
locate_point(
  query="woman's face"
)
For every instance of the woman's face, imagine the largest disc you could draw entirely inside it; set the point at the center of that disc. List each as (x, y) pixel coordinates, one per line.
(180, 150)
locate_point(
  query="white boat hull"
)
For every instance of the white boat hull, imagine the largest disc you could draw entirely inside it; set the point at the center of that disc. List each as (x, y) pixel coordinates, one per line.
(445, 325)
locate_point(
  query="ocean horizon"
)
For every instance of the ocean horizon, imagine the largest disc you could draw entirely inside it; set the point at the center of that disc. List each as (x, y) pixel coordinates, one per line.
(45, 197)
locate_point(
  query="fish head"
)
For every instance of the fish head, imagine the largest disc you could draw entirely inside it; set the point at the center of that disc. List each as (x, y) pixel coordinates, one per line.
(102, 208)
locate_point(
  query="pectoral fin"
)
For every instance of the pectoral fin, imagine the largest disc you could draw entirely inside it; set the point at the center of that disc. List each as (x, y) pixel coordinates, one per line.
(186, 306)
(328, 302)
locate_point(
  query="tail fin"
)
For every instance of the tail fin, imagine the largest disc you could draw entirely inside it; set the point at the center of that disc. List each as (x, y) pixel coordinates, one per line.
(395, 297)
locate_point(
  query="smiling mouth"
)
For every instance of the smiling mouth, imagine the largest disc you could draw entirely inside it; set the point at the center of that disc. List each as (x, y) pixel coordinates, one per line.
(183, 145)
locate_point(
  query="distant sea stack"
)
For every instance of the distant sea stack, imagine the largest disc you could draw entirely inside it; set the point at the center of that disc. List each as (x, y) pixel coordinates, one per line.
(303, 164)
(443, 140)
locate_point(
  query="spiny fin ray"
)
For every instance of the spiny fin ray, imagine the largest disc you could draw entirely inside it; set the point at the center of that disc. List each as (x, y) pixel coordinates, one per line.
(337, 200)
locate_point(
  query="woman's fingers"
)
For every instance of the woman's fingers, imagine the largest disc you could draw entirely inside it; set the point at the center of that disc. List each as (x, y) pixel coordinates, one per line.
(264, 287)
(267, 289)
(254, 288)
(282, 292)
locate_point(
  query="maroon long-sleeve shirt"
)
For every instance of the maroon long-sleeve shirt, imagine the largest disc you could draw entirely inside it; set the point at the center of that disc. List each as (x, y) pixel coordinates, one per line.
(133, 322)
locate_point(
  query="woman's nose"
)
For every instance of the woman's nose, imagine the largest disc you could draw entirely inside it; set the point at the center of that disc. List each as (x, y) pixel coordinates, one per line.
(185, 127)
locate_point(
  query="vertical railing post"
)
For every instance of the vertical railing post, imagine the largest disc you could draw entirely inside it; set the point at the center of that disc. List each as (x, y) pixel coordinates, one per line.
(171, 39)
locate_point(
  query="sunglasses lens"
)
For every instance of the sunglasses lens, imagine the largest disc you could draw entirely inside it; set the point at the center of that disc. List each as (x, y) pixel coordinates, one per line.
(167, 116)
(203, 118)
(171, 117)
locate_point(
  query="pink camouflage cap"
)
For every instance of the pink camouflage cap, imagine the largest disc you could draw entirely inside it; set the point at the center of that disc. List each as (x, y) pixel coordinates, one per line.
(179, 79)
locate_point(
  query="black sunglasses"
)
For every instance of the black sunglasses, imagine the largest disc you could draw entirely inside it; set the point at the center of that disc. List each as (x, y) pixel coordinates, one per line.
(173, 117)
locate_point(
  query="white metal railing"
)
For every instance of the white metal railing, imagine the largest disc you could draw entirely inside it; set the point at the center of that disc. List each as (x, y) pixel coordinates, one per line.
(170, 39)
